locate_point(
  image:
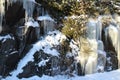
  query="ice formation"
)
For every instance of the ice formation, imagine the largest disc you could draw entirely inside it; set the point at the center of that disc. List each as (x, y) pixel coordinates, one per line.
(2, 12)
(28, 5)
(114, 33)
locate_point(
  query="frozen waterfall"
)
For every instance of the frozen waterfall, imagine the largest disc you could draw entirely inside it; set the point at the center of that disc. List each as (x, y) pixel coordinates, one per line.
(92, 54)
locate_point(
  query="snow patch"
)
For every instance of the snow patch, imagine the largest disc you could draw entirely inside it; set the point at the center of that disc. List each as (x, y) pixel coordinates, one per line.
(32, 24)
(43, 62)
(75, 48)
(46, 17)
(4, 38)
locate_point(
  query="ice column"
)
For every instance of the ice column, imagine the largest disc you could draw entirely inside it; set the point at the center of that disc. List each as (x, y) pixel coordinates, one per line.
(114, 34)
(28, 5)
(2, 12)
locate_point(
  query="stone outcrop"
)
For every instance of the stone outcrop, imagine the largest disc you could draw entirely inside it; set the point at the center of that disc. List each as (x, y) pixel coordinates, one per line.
(9, 55)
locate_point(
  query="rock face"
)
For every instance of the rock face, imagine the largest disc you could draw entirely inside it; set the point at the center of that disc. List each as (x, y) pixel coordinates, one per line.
(43, 64)
(9, 56)
(14, 13)
(48, 65)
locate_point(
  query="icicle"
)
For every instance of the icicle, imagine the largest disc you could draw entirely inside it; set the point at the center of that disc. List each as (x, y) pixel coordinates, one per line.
(43, 12)
(2, 9)
(10, 2)
(39, 11)
(99, 24)
(91, 29)
(45, 27)
(101, 57)
(2, 12)
(106, 37)
(118, 48)
(118, 51)
(28, 5)
(94, 29)
(100, 45)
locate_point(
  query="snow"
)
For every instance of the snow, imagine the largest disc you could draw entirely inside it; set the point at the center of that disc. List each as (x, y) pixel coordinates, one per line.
(75, 48)
(45, 45)
(75, 16)
(55, 38)
(46, 17)
(14, 52)
(32, 0)
(43, 62)
(32, 24)
(113, 75)
(4, 38)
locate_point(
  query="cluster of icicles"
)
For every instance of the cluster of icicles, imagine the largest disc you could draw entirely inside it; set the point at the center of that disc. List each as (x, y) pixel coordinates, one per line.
(28, 5)
(97, 56)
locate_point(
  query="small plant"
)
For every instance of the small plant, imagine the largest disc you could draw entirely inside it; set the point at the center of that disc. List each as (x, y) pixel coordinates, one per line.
(75, 27)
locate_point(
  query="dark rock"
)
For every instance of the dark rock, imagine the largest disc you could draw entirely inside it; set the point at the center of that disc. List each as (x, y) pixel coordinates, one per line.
(79, 70)
(67, 65)
(14, 13)
(33, 68)
(25, 50)
(112, 62)
(43, 64)
(9, 56)
(32, 35)
(45, 68)
(25, 37)
(29, 70)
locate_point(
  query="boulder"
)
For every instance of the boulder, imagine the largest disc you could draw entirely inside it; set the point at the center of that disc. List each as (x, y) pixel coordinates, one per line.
(41, 65)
